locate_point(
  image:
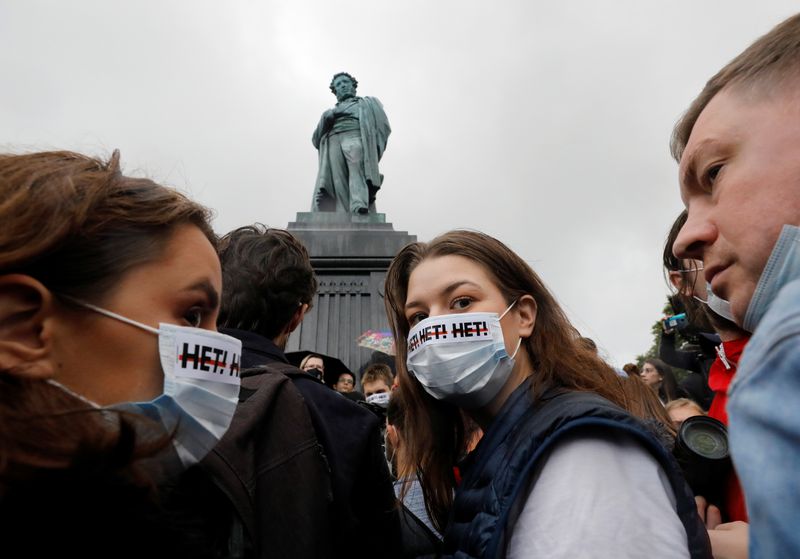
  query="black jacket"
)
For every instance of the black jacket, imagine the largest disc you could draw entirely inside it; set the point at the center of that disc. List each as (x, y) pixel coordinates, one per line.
(362, 517)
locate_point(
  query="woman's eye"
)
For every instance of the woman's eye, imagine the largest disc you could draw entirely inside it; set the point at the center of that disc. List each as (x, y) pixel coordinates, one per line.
(194, 317)
(416, 318)
(712, 172)
(462, 303)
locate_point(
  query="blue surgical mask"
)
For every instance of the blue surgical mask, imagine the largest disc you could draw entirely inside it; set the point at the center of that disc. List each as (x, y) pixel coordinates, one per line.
(201, 386)
(782, 267)
(461, 358)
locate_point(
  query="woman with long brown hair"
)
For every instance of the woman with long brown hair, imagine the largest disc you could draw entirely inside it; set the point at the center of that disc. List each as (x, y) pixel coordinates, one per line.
(112, 375)
(562, 469)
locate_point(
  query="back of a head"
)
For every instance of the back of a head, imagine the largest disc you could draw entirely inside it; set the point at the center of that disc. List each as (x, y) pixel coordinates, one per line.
(771, 62)
(267, 275)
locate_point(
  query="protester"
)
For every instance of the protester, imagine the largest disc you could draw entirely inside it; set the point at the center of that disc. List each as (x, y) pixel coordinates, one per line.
(730, 343)
(738, 146)
(102, 276)
(659, 376)
(377, 379)
(477, 331)
(314, 365)
(691, 299)
(345, 383)
(269, 285)
(420, 537)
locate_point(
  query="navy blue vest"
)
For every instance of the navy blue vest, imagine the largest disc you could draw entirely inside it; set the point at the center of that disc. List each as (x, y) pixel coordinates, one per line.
(496, 477)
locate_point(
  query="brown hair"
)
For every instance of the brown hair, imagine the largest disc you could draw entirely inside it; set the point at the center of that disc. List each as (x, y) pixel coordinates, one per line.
(632, 369)
(642, 402)
(770, 60)
(435, 429)
(378, 371)
(76, 224)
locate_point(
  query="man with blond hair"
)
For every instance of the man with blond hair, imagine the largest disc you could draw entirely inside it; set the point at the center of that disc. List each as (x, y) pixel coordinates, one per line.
(739, 151)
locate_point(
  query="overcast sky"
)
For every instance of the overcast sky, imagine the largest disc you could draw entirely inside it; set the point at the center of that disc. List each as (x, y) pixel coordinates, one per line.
(545, 124)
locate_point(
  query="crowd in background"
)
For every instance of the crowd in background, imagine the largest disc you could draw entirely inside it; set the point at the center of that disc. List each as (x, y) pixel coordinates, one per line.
(148, 406)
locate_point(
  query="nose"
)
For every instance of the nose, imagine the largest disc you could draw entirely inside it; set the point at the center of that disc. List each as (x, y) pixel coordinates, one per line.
(695, 236)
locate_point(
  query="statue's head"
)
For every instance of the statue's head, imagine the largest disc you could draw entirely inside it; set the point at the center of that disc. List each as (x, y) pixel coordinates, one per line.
(343, 86)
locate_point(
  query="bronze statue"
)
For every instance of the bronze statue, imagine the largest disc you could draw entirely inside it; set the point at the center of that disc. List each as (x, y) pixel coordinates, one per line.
(350, 138)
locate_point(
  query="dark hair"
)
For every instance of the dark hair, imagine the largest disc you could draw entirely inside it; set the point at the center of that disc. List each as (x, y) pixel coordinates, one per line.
(435, 428)
(77, 224)
(267, 275)
(377, 372)
(668, 390)
(348, 373)
(352, 79)
(772, 58)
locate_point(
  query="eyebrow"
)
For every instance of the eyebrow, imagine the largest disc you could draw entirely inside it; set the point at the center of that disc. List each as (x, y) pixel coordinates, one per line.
(446, 291)
(689, 174)
(209, 291)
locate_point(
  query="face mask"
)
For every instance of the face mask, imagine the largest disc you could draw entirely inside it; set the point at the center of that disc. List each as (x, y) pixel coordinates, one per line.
(380, 399)
(719, 305)
(782, 267)
(461, 358)
(201, 385)
(316, 373)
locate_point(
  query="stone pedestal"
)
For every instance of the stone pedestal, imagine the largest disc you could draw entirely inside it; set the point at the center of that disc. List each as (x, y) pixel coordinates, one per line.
(350, 254)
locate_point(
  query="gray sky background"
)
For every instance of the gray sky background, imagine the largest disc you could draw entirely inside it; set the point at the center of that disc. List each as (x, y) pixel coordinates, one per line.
(543, 124)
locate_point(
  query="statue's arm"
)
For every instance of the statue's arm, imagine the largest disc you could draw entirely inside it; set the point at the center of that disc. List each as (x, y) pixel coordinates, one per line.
(324, 125)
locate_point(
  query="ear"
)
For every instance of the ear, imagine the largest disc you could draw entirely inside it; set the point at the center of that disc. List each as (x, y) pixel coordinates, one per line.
(676, 280)
(26, 313)
(526, 309)
(297, 318)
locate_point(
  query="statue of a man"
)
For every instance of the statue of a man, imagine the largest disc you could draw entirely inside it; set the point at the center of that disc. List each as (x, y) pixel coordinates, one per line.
(351, 138)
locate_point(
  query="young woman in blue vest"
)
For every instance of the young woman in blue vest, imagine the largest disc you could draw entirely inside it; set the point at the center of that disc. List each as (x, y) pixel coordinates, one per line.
(563, 470)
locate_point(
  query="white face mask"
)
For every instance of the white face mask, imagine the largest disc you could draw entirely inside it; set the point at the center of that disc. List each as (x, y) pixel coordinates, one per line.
(718, 305)
(379, 399)
(461, 358)
(201, 385)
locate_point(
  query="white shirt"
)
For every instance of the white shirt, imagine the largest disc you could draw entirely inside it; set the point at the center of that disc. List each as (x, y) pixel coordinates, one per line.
(598, 496)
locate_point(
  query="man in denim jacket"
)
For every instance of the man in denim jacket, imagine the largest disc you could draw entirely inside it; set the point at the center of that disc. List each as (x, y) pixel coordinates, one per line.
(739, 151)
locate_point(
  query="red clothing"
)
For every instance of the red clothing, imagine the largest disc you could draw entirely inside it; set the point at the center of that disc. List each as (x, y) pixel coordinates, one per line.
(719, 378)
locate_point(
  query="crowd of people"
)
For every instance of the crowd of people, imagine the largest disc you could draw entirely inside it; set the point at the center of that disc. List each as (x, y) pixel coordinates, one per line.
(149, 408)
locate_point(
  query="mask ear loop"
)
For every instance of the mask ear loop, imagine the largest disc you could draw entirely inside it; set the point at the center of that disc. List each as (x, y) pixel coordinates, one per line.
(519, 344)
(505, 312)
(110, 314)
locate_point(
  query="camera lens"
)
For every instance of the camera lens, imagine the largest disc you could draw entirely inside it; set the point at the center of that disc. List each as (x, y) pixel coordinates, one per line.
(705, 437)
